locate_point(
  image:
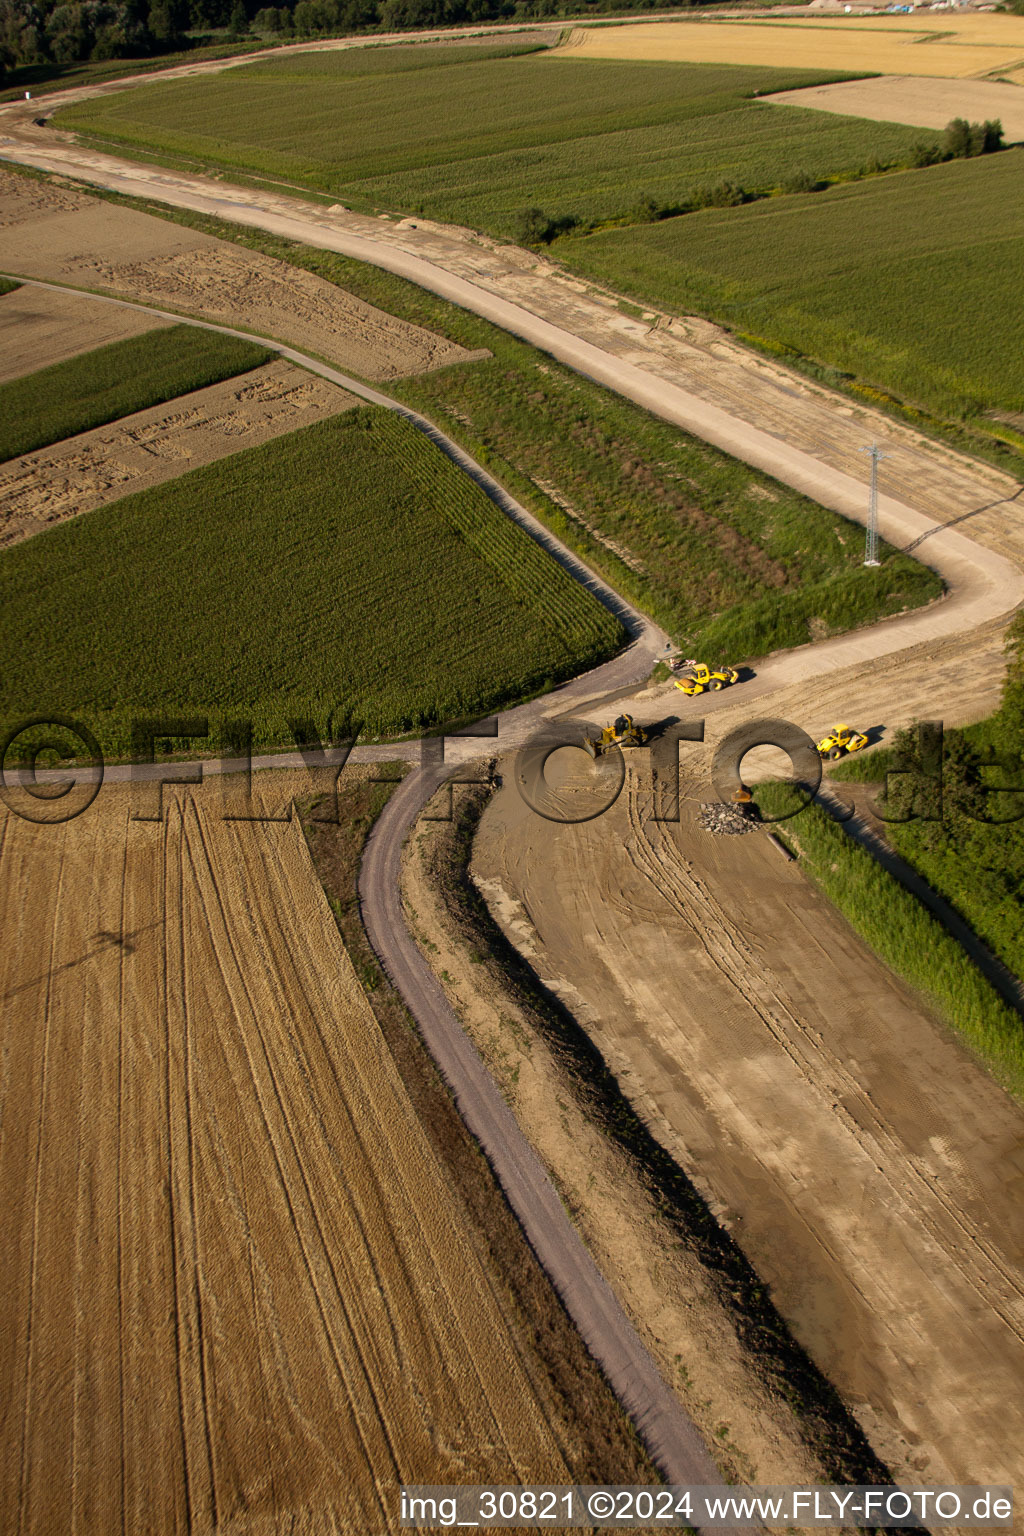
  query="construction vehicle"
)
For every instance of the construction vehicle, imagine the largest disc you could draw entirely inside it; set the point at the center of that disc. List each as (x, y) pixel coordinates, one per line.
(621, 733)
(699, 678)
(840, 740)
(742, 801)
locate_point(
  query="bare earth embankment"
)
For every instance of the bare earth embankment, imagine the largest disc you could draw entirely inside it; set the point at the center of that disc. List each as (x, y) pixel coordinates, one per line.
(149, 447)
(40, 328)
(868, 1167)
(50, 232)
(244, 1294)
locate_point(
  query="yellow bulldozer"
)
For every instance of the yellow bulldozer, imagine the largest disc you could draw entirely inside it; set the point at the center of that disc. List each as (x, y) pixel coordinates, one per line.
(699, 678)
(621, 733)
(840, 740)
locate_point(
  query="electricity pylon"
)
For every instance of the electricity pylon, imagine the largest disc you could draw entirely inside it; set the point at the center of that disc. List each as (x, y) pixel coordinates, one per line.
(871, 537)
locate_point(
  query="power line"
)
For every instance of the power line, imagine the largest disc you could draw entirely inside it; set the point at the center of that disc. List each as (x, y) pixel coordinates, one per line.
(871, 537)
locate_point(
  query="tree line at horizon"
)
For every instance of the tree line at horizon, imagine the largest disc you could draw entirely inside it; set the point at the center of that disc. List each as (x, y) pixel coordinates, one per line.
(39, 33)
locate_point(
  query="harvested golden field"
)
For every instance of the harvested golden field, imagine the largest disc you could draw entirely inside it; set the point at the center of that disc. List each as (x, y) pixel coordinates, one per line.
(240, 1291)
(52, 232)
(916, 100)
(149, 447)
(40, 328)
(969, 45)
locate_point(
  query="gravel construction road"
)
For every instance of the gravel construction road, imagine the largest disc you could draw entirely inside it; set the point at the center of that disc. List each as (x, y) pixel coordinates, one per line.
(979, 561)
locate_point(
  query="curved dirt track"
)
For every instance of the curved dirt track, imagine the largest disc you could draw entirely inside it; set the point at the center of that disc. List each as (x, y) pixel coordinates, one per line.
(984, 584)
(610, 1336)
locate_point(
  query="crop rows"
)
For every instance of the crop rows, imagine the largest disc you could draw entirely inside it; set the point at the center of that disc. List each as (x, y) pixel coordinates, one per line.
(910, 282)
(348, 570)
(525, 569)
(583, 139)
(114, 381)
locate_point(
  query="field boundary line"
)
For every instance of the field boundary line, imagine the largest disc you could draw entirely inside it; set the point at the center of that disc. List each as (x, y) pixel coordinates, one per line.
(629, 617)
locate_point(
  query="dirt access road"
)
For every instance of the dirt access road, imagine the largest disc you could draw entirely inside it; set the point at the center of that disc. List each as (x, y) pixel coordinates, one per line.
(663, 367)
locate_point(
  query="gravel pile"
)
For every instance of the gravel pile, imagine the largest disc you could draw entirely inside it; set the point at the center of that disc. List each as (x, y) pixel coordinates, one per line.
(724, 819)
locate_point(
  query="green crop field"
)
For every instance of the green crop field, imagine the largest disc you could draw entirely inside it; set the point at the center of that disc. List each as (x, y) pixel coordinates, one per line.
(6, 286)
(910, 282)
(729, 561)
(584, 139)
(348, 569)
(113, 381)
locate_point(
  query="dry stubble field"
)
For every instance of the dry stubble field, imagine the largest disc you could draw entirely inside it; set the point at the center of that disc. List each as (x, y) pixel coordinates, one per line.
(243, 1294)
(974, 44)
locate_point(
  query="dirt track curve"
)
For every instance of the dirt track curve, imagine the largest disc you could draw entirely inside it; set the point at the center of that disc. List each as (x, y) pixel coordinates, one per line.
(982, 569)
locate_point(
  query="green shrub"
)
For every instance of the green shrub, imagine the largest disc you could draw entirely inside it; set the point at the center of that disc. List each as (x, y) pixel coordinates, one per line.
(723, 194)
(800, 181)
(962, 140)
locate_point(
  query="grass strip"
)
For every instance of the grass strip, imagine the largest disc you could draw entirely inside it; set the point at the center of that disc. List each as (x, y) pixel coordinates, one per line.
(114, 381)
(726, 559)
(905, 935)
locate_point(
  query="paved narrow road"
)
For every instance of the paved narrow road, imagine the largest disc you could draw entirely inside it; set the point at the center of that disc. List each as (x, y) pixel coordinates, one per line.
(984, 586)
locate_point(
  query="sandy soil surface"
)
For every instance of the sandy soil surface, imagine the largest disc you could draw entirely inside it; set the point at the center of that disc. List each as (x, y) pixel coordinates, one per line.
(917, 101)
(55, 233)
(145, 449)
(870, 1170)
(672, 1297)
(244, 1295)
(970, 44)
(39, 328)
(684, 369)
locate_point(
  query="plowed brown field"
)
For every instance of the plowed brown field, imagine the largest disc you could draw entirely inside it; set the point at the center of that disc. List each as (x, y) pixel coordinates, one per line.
(239, 1291)
(41, 327)
(52, 232)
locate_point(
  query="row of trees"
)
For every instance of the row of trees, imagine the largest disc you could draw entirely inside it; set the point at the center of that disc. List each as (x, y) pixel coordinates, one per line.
(37, 33)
